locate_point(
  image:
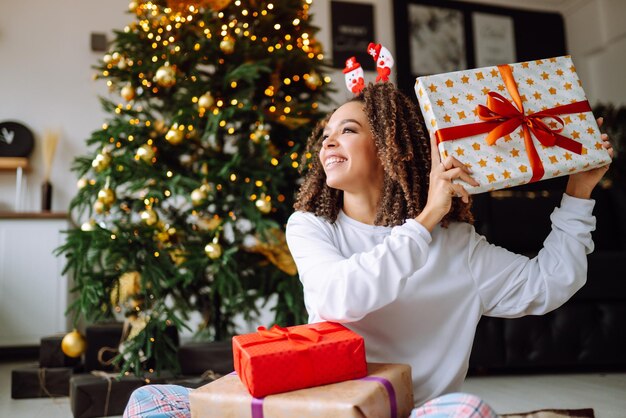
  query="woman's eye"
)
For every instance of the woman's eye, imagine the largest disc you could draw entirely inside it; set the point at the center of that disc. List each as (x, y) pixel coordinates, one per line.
(348, 130)
(324, 137)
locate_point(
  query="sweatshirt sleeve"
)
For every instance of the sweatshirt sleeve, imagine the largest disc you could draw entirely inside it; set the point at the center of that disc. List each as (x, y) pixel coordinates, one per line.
(346, 288)
(511, 285)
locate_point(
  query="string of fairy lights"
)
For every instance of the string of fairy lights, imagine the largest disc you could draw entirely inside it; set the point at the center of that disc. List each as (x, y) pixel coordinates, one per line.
(163, 31)
(160, 26)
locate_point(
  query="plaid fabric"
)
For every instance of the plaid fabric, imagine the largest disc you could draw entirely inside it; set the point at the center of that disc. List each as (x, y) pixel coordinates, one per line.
(159, 401)
(454, 405)
(172, 401)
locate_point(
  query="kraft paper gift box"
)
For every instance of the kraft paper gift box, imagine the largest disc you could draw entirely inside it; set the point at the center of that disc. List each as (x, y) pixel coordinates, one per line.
(513, 124)
(385, 392)
(283, 359)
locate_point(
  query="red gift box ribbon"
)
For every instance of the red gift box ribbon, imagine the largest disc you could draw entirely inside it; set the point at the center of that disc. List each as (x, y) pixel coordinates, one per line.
(500, 118)
(298, 337)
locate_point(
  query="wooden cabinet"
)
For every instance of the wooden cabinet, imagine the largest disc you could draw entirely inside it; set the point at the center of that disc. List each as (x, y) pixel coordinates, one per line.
(33, 293)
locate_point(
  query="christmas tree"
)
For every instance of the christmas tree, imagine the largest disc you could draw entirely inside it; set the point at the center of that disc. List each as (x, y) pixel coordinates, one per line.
(191, 179)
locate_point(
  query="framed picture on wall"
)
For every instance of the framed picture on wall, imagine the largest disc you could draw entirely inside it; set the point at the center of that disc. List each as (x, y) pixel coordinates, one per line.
(494, 39)
(352, 27)
(437, 36)
(436, 39)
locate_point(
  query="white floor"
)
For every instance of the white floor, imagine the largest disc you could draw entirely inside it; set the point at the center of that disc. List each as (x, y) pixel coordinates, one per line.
(605, 393)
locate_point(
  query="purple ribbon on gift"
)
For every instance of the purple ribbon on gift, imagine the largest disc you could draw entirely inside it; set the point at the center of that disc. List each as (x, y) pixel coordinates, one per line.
(257, 403)
(393, 406)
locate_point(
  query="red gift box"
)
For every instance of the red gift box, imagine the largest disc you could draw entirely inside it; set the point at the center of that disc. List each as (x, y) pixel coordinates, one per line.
(284, 359)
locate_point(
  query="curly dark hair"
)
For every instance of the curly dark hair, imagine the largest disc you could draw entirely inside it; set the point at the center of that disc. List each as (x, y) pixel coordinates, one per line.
(403, 148)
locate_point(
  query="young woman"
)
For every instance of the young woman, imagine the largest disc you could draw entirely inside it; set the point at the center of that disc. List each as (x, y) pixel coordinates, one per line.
(383, 242)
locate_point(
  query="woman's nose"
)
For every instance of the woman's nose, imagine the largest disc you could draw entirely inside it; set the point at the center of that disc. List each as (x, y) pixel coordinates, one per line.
(329, 142)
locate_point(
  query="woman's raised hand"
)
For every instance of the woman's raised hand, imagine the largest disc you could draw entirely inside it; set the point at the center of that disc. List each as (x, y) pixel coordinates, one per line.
(441, 189)
(582, 184)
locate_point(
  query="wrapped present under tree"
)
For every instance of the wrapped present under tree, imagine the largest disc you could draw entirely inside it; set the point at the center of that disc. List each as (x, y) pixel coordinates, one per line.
(40, 382)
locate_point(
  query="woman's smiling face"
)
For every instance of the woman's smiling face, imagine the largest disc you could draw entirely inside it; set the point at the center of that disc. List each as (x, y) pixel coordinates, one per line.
(348, 152)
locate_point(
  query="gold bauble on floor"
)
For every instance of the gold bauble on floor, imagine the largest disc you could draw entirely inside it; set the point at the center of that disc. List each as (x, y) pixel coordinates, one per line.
(73, 344)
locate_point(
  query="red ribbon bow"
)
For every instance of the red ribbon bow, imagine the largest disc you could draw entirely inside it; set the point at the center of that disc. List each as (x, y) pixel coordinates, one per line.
(298, 337)
(383, 73)
(501, 118)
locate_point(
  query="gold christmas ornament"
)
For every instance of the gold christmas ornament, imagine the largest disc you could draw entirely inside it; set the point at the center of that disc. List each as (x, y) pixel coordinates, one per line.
(122, 64)
(73, 344)
(145, 153)
(100, 207)
(88, 226)
(106, 196)
(216, 5)
(82, 183)
(102, 161)
(183, 5)
(313, 81)
(128, 92)
(213, 250)
(163, 236)
(264, 206)
(178, 256)
(159, 126)
(227, 45)
(149, 216)
(128, 285)
(166, 76)
(174, 136)
(259, 134)
(198, 196)
(206, 101)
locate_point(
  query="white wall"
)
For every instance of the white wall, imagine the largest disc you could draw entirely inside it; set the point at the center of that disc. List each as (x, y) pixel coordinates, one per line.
(46, 75)
(596, 35)
(46, 83)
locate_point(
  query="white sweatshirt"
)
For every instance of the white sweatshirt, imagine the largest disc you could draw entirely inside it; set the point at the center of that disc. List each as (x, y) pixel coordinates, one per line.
(416, 298)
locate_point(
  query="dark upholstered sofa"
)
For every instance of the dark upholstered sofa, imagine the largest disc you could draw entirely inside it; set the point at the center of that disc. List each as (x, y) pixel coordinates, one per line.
(588, 333)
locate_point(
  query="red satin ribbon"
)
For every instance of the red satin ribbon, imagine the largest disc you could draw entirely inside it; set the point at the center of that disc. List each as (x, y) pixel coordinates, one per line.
(298, 337)
(500, 118)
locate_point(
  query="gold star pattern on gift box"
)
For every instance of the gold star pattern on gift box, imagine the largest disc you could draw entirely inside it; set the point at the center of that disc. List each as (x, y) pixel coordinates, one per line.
(451, 99)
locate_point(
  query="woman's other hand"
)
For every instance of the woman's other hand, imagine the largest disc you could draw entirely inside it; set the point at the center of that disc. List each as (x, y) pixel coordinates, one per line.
(582, 184)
